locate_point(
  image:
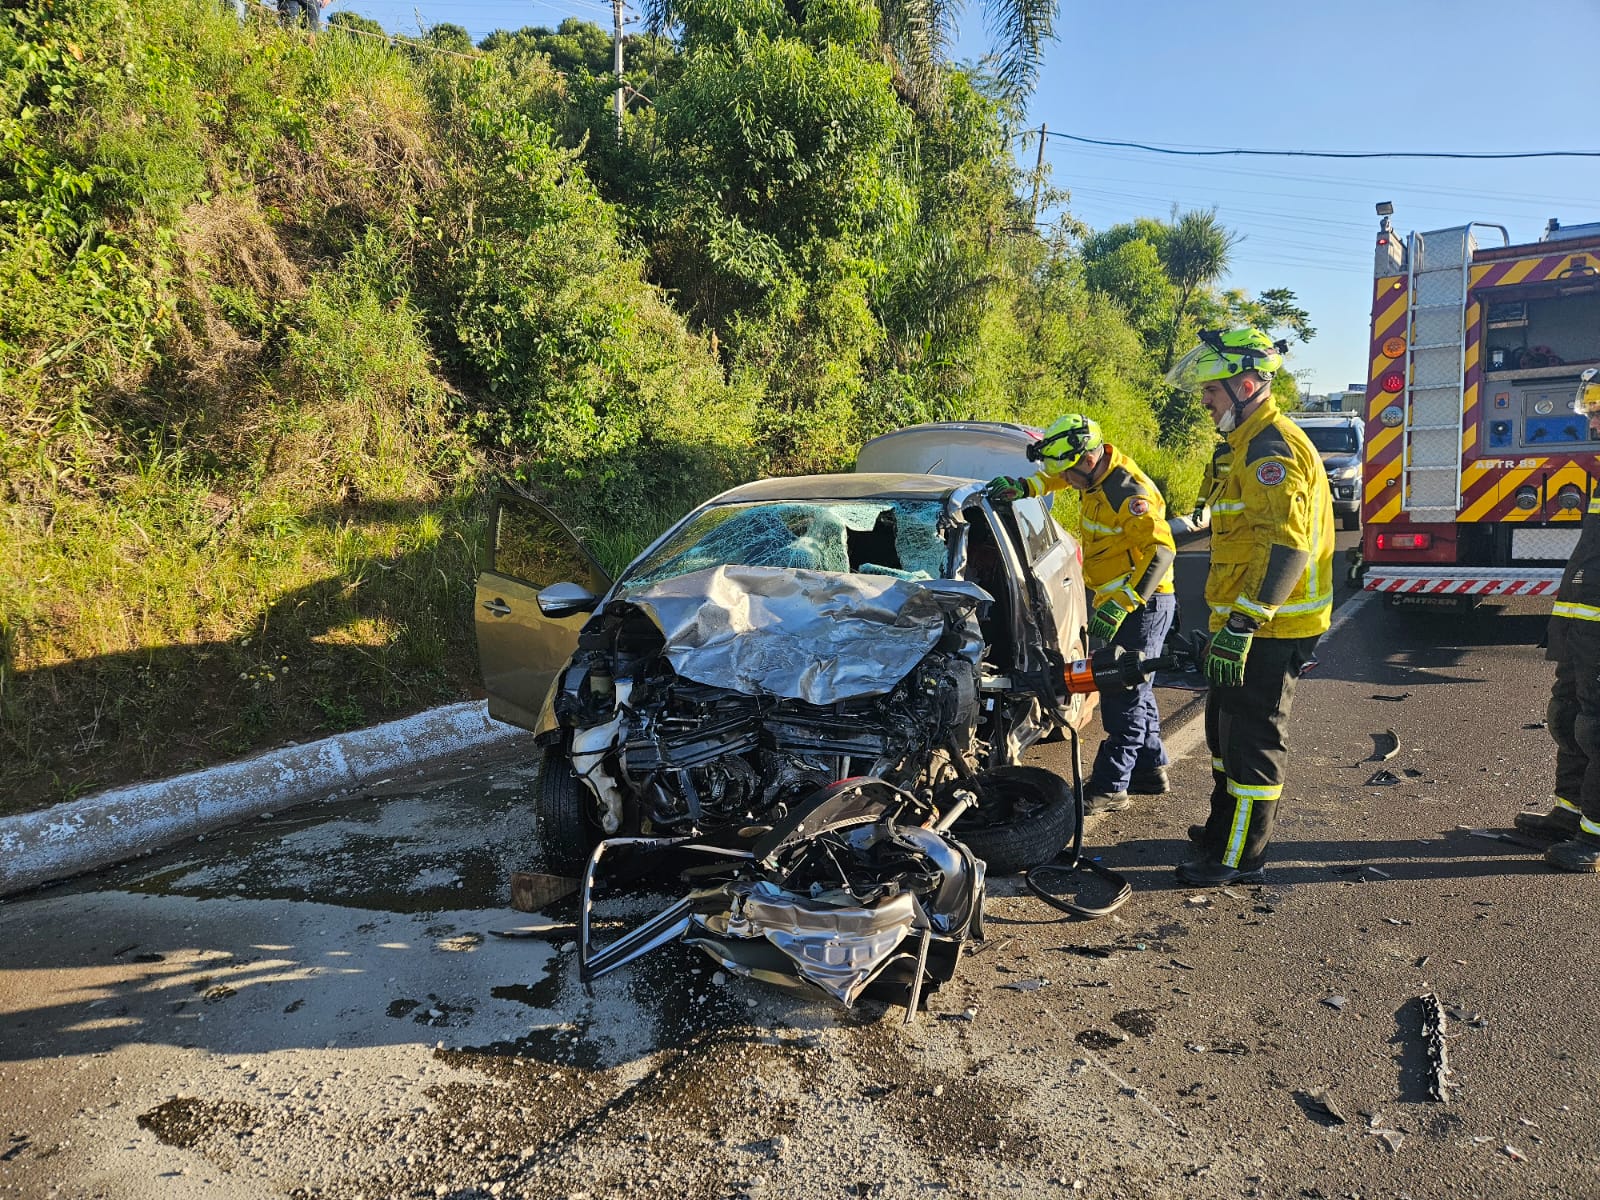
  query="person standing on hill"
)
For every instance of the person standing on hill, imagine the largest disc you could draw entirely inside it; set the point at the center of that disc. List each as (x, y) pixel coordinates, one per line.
(1270, 592)
(307, 13)
(1128, 553)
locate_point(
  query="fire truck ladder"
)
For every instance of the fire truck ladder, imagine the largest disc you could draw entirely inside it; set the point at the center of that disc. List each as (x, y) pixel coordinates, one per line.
(1440, 266)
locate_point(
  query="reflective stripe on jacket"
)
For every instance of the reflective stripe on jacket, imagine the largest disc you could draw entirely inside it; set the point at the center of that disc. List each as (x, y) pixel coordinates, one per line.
(1124, 520)
(1274, 494)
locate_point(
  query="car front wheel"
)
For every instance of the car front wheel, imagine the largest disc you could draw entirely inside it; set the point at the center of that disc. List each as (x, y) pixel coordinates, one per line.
(567, 830)
(1024, 818)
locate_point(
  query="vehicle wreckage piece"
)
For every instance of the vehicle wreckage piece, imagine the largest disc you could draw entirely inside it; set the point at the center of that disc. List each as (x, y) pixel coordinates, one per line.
(1433, 1036)
(857, 890)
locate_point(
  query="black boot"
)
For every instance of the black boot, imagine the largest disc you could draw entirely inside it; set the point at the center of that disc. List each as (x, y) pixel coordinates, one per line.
(1208, 872)
(1560, 823)
(1104, 802)
(1152, 781)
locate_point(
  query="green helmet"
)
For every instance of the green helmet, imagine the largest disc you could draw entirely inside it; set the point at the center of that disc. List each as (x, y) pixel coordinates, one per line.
(1063, 445)
(1224, 353)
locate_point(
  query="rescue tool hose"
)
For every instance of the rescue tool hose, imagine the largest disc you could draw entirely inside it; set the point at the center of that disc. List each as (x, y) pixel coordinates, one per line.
(1071, 858)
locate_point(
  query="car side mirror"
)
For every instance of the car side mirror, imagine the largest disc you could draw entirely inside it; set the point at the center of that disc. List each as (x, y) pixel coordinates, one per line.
(566, 600)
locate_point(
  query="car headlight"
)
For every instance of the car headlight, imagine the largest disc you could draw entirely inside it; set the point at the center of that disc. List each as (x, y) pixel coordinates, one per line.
(1346, 474)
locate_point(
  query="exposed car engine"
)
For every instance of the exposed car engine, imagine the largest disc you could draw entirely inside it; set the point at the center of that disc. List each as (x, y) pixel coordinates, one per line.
(695, 756)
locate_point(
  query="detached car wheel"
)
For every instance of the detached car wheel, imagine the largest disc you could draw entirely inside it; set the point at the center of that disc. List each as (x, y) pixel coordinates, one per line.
(1025, 817)
(566, 830)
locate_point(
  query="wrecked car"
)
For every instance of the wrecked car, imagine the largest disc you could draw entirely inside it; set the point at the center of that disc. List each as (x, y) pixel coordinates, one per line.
(857, 890)
(785, 635)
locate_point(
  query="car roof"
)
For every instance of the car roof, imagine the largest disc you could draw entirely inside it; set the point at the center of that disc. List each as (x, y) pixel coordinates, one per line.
(866, 486)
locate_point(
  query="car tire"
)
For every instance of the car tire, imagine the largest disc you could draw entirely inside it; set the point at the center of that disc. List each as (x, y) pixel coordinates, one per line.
(1350, 521)
(567, 830)
(1026, 816)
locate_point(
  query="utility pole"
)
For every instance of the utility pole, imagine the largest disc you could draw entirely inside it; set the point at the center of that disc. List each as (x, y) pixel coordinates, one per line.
(1038, 176)
(616, 60)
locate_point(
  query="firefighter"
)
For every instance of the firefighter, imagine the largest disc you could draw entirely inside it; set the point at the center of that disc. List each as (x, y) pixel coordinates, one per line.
(1269, 589)
(1574, 713)
(1127, 567)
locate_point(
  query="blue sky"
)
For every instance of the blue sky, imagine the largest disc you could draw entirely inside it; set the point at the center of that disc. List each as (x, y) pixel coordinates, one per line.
(1451, 75)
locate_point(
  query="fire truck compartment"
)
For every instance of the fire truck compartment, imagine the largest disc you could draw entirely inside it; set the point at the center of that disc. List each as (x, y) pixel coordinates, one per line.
(1546, 545)
(1528, 415)
(1525, 331)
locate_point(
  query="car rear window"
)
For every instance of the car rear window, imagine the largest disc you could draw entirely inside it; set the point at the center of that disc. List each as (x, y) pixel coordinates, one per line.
(1333, 439)
(901, 538)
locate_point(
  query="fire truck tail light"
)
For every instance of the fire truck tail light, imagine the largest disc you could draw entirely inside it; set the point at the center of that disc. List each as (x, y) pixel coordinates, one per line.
(1394, 381)
(1405, 541)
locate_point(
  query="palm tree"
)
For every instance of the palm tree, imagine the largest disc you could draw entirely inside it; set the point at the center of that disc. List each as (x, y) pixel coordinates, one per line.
(916, 36)
(1195, 254)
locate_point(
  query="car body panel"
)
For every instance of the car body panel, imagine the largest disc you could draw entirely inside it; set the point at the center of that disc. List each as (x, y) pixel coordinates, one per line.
(964, 449)
(521, 651)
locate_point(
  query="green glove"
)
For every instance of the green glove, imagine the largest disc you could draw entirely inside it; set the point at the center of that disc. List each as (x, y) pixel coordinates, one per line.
(1105, 622)
(1225, 660)
(1003, 487)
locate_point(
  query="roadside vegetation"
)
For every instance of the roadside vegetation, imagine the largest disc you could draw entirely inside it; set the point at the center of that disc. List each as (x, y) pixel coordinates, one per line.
(276, 313)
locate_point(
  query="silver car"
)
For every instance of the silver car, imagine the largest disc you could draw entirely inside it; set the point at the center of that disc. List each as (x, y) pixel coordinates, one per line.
(782, 636)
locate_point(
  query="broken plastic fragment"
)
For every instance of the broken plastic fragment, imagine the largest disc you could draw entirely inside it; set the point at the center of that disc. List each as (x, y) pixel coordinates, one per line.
(1513, 1153)
(1392, 1138)
(1025, 985)
(1319, 1100)
(1335, 1002)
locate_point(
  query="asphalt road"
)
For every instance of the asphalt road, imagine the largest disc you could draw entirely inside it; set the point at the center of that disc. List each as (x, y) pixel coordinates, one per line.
(318, 1005)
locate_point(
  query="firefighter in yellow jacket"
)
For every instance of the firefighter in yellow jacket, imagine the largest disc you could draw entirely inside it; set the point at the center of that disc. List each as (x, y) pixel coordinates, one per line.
(1269, 589)
(1127, 567)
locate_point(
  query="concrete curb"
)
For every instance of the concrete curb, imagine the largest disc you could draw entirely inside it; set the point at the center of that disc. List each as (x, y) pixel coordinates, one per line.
(110, 826)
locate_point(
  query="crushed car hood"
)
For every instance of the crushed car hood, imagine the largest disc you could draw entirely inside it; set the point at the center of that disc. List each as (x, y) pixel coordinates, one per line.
(815, 636)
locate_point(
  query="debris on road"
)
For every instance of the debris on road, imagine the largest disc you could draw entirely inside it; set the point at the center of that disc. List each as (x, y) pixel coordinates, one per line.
(1321, 1102)
(1439, 1083)
(1385, 746)
(1502, 835)
(1383, 778)
(531, 891)
(560, 930)
(1100, 1039)
(1391, 699)
(1513, 1153)
(1391, 1138)
(1025, 985)
(1335, 1002)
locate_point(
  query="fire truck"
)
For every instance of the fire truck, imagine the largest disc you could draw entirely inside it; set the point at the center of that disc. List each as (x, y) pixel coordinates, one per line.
(1476, 468)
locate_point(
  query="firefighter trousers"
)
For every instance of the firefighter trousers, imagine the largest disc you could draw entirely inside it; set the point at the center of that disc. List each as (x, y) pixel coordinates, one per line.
(1574, 719)
(1131, 719)
(1247, 731)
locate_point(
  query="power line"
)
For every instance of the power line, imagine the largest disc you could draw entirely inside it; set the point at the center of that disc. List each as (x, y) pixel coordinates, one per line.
(1190, 152)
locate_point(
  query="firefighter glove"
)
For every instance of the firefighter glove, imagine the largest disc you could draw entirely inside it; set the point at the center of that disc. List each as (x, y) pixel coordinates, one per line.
(1105, 622)
(1003, 487)
(1225, 659)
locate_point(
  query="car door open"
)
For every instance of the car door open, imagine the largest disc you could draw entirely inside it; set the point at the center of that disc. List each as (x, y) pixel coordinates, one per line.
(521, 649)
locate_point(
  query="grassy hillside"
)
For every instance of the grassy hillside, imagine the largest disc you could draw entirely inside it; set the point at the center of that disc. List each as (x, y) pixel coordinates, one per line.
(269, 314)
(275, 313)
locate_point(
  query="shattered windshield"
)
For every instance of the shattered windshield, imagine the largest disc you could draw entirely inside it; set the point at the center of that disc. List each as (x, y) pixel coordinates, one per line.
(900, 538)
